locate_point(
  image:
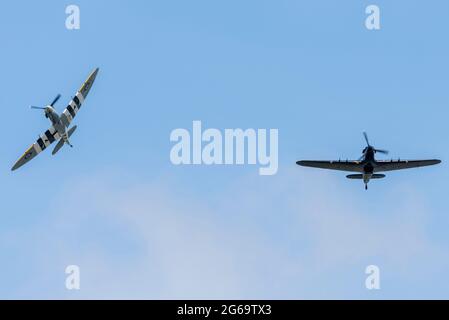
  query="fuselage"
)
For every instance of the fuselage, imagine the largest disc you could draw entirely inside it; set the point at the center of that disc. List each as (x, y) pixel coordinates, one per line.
(55, 119)
(369, 163)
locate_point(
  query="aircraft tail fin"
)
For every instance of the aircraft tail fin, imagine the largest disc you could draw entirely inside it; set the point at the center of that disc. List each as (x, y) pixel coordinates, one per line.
(61, 141)
(360, 176)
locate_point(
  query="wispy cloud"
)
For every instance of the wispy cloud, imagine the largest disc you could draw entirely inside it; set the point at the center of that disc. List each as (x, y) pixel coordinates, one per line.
(261, 238)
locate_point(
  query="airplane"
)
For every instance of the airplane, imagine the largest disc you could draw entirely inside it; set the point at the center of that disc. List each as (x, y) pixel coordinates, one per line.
(60, 123)
(367, 166)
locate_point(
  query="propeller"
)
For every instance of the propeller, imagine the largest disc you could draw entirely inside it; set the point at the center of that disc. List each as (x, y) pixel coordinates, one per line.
(370, 146)
(55, 100)
(51, 104)
(381, 151)
(366, 139)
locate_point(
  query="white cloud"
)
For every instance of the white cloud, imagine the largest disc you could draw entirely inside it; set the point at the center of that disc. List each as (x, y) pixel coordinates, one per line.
(264, 237)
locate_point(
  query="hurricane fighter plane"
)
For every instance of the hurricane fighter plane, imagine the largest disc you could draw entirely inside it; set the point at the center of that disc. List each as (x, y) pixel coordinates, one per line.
(60, 123)
(367, 166)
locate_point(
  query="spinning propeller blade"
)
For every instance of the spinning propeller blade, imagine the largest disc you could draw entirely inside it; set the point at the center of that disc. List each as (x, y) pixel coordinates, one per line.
(366, 138)
(51, 104)
(55, 100)
(381, 151)
(375, 150)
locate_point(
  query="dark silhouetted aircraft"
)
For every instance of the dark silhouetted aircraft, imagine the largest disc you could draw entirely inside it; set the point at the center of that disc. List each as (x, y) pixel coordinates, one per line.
(367, 166)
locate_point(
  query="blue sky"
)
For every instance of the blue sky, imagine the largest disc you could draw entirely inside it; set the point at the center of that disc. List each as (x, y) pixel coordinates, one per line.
(140, 227)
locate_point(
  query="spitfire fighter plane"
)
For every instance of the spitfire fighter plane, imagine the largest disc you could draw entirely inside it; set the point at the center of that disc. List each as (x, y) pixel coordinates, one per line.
(367, 166)
(60, 123)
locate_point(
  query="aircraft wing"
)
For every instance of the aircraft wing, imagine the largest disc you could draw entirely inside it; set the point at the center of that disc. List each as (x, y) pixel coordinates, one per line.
(45, 139)
(75, 104)
(353, 166)
(403, 164)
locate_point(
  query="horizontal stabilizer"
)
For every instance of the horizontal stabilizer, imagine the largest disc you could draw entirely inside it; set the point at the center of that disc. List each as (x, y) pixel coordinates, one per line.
(61, 141)
(360, 176)
(355, 176)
